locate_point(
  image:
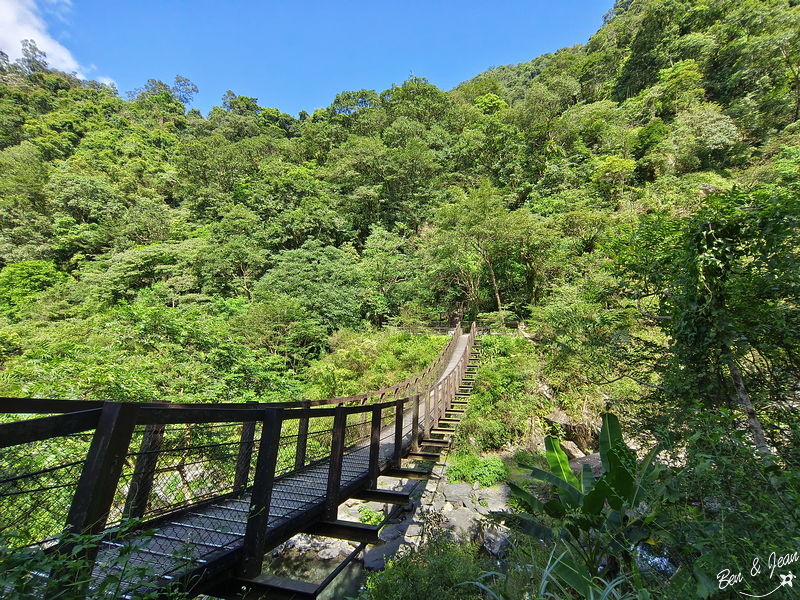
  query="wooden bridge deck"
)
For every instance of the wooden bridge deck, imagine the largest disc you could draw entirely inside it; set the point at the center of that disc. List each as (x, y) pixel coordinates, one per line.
(200, 542)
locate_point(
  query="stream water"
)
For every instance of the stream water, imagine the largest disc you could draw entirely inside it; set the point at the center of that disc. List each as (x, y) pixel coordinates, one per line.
(346, 585)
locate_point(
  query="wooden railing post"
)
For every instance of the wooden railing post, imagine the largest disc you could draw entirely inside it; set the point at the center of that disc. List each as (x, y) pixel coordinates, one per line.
(375, 448)
(246, 443)
(335, 464)
(398, 432)
(261, 495)
(415, 423)
(94, 495)
(302, 439)
(243, 459)
(144, 472)
(426, 421)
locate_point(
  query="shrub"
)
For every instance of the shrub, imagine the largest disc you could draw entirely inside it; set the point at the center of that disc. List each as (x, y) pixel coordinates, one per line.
(470, 467)
(433, 570)
(369, 516)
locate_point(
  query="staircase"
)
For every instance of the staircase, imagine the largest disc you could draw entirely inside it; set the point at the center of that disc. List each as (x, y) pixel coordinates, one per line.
(437, 441)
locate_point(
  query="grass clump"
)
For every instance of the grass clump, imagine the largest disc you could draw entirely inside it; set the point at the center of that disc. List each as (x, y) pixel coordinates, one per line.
(469, 467)
(434, 569)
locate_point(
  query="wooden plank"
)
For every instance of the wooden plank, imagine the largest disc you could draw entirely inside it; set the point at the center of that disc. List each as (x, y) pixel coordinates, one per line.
(269, 587)
(194, 413)
(246, 443)
(258, 516)
(302, 440)
(335, 465)
(375, 447)
(345, 530)
(415, 423)
(423, 456)
(398, 433)
(407, 474)
(44, 428)
(102, 468)
(384, 496)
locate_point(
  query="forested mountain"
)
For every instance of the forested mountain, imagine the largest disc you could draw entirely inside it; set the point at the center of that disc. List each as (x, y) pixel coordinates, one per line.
(634, 200)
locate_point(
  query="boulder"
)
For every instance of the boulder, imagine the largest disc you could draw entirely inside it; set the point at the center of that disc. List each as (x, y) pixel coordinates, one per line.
(389, 533)
(495, 540)
(593, 460)
(496, 497)
(375, 558)
(457, 493)
(571, 449)
(328, 553)
(584, 434)
(464, 524)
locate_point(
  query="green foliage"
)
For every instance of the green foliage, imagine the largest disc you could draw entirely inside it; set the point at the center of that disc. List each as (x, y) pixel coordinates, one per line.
(369, 516)
(19, 282)
(469, 467)
(65, 572)
(600, 520)
(324, 279)
(505, 387)
(732, 506)
(432, 570)
(364, 361)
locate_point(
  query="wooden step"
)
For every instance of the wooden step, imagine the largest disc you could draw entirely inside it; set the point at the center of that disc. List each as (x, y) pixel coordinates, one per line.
(437, 443)
(423, 456)
(407, 474)
(449, 420)
(459, 403)
(442, 431)
(455, 411)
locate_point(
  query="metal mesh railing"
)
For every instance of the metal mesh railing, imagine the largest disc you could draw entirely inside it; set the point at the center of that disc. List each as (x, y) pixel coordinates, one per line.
(169, 467)
(37, 483)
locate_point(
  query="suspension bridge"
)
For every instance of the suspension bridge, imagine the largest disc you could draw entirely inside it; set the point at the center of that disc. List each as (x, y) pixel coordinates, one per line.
(212, 488)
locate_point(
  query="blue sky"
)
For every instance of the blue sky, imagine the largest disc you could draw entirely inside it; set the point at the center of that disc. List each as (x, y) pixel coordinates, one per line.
(292, 55)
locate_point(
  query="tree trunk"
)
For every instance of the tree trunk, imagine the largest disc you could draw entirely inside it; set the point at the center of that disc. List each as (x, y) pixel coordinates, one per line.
(496, 290)
(747, 404)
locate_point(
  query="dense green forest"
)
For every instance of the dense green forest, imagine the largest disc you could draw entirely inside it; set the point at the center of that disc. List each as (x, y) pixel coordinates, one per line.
(634, 201)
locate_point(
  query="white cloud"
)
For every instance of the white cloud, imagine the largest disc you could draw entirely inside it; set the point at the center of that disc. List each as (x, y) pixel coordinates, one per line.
(22, 19)
(107, 81)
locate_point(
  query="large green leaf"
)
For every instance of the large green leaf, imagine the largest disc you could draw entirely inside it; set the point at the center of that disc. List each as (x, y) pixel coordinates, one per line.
(534, 504)
(595, 500)
(577, 576)
(645, 465)
(529, 525)
(587, 479)
(621, 481)
(555, 508)
(609, 433)
(558, 461)
(572, 496)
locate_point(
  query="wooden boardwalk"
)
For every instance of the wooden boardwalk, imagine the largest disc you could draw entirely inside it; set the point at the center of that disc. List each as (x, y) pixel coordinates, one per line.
(208, 544)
